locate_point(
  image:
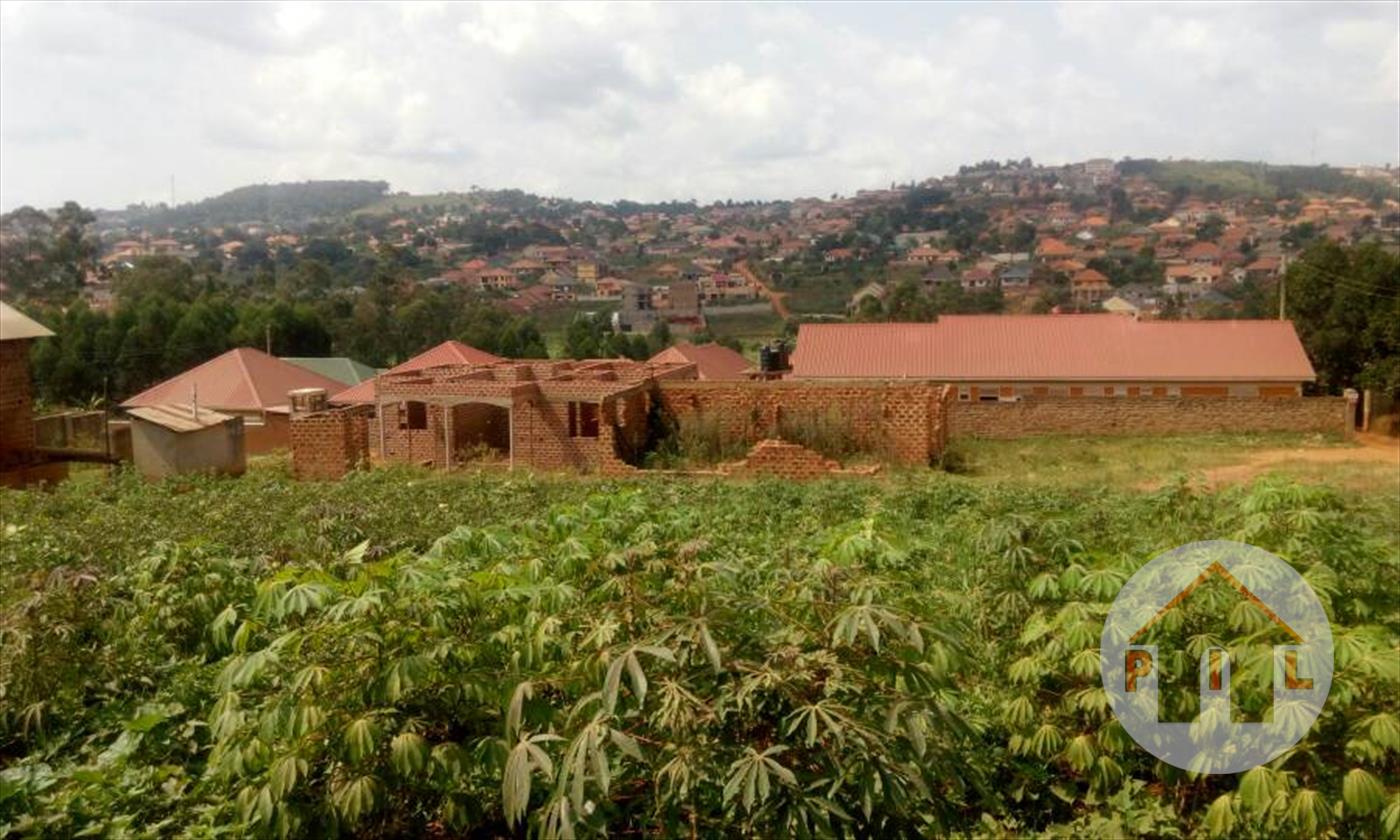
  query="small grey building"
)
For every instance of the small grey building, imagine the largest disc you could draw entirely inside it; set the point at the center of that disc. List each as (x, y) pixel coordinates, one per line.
(177, 439)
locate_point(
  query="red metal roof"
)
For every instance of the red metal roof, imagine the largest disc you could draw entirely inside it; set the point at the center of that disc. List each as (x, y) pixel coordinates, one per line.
(1001, 348)
(243, 379)
(446, 353)
(712, 361)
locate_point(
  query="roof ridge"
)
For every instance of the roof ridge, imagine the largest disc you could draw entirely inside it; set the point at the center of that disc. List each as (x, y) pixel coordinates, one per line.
(189, 372)
(248, 375)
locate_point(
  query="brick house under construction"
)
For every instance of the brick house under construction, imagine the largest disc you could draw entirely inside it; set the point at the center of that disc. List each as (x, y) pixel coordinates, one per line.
(586, 415)
(596, 415)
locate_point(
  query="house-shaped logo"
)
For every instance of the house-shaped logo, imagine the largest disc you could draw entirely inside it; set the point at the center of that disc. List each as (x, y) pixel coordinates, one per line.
(1285, 619)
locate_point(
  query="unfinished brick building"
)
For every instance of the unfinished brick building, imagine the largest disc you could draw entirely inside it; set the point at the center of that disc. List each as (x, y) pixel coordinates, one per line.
(600, 416)
(586, 415)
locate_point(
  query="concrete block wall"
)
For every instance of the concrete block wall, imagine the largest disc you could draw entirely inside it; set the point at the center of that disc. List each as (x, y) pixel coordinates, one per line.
(1164, 415)
(897, 420)
(328, 444)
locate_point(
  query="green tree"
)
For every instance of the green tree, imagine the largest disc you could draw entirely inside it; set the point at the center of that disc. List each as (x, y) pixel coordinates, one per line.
(1345, 303)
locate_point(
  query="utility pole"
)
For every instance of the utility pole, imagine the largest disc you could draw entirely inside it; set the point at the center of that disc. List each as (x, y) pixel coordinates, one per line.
(268, 333)
(1282, 295)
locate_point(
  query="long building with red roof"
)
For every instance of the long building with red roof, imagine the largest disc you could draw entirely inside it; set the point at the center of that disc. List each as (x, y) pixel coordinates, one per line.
(1008, 356)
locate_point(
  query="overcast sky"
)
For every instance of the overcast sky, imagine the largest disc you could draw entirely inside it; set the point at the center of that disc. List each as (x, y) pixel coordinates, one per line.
(103, 104)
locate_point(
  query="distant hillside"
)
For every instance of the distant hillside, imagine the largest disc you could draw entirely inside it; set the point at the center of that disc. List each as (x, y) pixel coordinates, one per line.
(287, 204)
(1214, 179)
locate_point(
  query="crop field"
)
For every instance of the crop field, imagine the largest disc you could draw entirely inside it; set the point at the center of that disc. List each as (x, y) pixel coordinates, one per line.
(403, 653)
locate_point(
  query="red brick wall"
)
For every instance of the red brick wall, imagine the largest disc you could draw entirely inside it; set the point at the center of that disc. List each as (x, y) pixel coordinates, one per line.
(542, 436)
(328, 444)
(1164, 415)
(16, 403)
(273, 432)
(783, 460)
(898, 420)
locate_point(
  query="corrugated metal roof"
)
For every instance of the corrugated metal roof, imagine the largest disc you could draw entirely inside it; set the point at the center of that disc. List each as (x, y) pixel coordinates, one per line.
(15, 325)
(342, 369)
(712, 361)
(179, 418)
(1009, 348)
(446, 353)
(242, 379)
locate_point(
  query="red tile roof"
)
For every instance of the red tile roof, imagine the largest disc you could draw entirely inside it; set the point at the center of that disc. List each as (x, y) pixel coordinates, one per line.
(712, 361)
(446, 353)
(242, 379)
(1091, 278)
(1054, 348)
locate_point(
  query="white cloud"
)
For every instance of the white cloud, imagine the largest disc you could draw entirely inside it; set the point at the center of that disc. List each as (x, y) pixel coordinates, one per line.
(104, 103)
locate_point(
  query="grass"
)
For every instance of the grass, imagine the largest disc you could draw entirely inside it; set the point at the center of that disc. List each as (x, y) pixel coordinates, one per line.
(748, 327)
(1143, 462)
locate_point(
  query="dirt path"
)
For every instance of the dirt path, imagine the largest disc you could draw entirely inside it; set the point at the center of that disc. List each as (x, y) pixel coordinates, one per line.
(1373, 449)
(779, 304)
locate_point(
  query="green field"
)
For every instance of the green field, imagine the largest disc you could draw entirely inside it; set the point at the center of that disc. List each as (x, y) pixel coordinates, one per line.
(400, 203)
(404, 653)
(752, 328)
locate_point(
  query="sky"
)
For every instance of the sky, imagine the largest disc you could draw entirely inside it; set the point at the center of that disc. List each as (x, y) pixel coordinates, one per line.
(105, 104)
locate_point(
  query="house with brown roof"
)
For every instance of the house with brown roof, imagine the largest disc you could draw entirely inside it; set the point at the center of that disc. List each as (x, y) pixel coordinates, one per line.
(1003, 357)
(712, 361)
(1050, 249)
(243, 382)
(1089, 286)
(1192, 280)
(1206, 253)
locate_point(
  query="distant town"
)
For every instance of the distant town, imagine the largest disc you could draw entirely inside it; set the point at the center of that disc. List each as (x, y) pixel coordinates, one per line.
(349, 269)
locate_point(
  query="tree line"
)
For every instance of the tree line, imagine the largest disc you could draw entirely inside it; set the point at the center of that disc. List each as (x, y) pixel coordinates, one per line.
(167, 318)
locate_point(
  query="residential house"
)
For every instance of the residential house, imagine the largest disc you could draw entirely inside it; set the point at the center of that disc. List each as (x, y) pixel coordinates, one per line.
(1051, 250)
(496, 278)
(1192, 280)
(977, 278)
(243, 382)
(1203, 253)
(712, 361)
(1016, 276)
(562, 287)
(1089, 286)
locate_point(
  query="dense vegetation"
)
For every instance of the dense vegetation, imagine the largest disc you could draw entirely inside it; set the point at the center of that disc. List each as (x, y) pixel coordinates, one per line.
(1217, 179)
(290, 203)
(402, 654)
(1345, 303)
(170, 317)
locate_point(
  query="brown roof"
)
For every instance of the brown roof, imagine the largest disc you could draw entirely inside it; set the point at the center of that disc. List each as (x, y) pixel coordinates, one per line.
(1053, 248)
(446, 353)
(1090, 277)
(180, 418)
(242, 379)
(1054, 348)
(712, 361)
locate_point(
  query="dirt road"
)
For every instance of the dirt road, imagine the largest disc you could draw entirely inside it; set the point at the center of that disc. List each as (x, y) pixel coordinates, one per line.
(779, 305)
(1373, 449)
